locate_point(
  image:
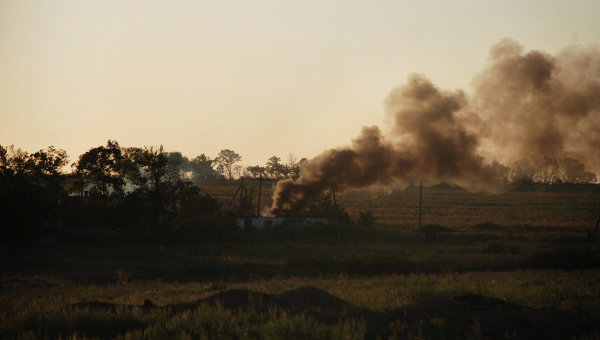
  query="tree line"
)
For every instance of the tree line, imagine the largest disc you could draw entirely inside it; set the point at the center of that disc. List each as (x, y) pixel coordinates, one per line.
(562, 171)
(146, 186)
(117, 186)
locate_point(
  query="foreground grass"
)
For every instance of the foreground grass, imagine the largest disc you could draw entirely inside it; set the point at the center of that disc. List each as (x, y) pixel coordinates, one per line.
(376, 269)
(38, 312)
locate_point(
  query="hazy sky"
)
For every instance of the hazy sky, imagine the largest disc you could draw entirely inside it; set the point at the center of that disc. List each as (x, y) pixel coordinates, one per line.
(260, 77)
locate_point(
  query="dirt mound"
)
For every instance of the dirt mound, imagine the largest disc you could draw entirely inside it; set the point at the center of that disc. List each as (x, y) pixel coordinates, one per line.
(230, 299)
(491, 318)
(464, 315)
(301, 299)
(309, 298)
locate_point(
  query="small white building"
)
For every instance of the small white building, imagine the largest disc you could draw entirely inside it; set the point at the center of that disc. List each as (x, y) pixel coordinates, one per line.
(260, 222)
(270, 222)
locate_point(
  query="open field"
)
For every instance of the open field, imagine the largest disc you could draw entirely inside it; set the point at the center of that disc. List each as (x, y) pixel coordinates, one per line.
(539, 205)
(522, 254)
(457, 208)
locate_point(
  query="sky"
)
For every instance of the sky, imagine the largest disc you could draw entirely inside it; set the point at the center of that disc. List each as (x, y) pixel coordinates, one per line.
(259, 77)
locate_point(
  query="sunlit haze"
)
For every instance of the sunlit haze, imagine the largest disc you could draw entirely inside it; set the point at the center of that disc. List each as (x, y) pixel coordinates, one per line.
(262, 78)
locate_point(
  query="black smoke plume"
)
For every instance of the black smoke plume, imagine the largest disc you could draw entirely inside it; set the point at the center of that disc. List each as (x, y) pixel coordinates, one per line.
(532, 107)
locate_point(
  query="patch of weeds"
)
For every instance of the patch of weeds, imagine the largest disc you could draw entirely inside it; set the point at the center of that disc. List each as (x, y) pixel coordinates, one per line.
(83, 323)
(217, 285)
(434, 328)
(214, 322)
(122, 276)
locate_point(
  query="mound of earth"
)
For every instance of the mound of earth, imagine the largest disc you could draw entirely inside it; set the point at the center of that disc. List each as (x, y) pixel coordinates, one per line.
(464, 315)
(301, 299)
(309, 298)
(229, 299)
(496, 319)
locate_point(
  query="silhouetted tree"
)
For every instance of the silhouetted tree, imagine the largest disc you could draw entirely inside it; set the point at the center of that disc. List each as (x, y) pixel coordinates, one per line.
(203, 171)
(104, 167)
(225, 161)
(239, 170)
(30, 189)
(523, 172)
(256, 171)
(274, 167)
(153, 177)
(573, 171)
(293, 167)
(500, 172)
(178, 166)
(190, 206)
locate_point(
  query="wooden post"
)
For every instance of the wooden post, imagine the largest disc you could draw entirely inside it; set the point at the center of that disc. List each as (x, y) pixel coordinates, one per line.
(335, 216)
(259, 192)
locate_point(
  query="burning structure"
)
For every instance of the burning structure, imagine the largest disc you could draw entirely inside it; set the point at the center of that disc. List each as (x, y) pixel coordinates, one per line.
(528, 111)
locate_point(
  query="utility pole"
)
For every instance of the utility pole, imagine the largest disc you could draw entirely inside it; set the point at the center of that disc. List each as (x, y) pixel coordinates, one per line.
(259, 192)
(242, 197)
(335, 216)
(420, 202)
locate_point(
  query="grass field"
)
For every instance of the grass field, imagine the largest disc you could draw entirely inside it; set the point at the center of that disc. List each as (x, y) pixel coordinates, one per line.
(523, 254)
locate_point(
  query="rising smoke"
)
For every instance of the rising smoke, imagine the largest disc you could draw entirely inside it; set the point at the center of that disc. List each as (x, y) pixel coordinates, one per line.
(535, 107)
(539, 107)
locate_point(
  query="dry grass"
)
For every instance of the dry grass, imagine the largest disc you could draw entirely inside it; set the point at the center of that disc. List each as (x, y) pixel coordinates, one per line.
(523, 247)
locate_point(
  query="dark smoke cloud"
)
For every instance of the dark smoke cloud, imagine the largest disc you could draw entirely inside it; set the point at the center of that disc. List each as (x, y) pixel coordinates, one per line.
(431, 141)
(540, 107)
(529, 106)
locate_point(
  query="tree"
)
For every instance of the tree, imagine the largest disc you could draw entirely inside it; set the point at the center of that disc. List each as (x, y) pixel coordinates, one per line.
(523, 172)
(225, 161)
(293, 166)
(104, 167)
(49, 162)
(178, 166)
(190, 206)
(4, 166)
(239, 170)
(499, 171)
(45, 167)
(256, 171)
(30, 189)
(202, 170)
(574, 172)
(274, 167)
(153, 177)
